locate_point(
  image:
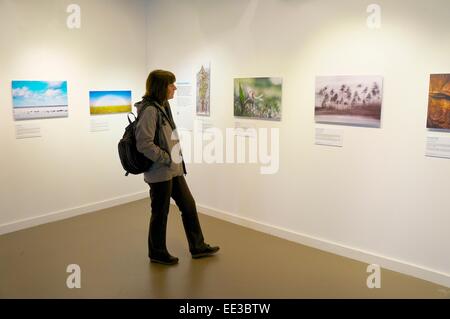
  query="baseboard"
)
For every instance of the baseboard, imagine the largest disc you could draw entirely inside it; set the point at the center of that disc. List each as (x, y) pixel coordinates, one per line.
(71, 212)
(333, 247)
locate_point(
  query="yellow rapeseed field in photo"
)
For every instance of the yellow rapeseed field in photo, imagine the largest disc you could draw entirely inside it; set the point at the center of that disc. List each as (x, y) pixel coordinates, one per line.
(97, 110)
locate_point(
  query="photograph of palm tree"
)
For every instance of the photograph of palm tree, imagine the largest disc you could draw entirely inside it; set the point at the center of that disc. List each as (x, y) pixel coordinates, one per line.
(351, 100)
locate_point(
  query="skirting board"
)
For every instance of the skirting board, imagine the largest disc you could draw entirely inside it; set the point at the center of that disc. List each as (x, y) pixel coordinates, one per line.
(71, 212)
(332, 247)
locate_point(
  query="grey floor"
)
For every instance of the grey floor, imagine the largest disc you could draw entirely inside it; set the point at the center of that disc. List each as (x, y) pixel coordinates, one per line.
(110, 248)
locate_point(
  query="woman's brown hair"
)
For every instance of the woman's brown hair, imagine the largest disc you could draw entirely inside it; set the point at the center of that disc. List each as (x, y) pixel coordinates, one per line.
(157, 83)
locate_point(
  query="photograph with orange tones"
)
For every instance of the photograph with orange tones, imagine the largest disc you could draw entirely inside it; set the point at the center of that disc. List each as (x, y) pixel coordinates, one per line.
(439, 102)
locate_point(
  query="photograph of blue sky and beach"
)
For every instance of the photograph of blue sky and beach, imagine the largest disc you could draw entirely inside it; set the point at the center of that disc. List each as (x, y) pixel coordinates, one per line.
(258, 98)
(39, 99)
(349, 100)
(110, 102)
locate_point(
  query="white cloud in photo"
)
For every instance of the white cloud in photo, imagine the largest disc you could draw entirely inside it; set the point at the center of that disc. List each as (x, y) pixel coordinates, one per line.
(52, 93)
(55, 84)
(22, 92)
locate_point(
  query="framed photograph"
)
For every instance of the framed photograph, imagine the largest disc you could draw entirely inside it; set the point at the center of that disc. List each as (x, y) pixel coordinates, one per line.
(258, 98)
(439, 102)
(109, 102)
(203, 91)
(39, 99)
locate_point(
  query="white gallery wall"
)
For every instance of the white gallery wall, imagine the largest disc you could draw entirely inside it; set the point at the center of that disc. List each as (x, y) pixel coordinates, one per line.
(378, 198)
(69, 170)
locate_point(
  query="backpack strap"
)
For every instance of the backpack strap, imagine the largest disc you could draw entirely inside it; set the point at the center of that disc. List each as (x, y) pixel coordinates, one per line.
(128, 116)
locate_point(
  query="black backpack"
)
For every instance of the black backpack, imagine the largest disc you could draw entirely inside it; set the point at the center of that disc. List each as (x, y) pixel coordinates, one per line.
(133, 161)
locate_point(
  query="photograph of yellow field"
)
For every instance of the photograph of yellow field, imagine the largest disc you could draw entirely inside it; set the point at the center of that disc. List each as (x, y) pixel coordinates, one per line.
(109, 102)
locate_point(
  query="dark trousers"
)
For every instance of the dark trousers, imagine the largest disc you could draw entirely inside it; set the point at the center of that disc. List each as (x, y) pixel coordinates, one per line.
(160, 194)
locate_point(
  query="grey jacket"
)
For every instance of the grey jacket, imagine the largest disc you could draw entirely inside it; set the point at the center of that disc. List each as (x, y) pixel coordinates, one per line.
(157, 146)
